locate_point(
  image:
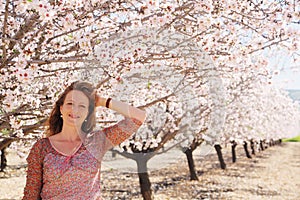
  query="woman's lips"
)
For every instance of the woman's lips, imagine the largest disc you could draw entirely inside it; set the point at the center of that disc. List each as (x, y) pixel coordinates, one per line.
(74, 116)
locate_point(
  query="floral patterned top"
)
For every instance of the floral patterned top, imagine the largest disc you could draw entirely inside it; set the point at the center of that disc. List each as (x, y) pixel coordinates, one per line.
(52, 175)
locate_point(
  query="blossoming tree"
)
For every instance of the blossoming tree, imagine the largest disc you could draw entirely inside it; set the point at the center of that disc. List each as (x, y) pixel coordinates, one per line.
(46, 44)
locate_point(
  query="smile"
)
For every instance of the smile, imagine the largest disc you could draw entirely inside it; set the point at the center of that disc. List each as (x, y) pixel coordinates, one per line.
(74, 116)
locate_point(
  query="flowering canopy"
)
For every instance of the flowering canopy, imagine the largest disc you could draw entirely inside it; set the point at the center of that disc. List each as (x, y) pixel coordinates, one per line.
(47, 44)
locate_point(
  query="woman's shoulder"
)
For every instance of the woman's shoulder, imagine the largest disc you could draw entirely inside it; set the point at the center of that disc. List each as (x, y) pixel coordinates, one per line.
(39, 149)
(43, 140)
(41, 143)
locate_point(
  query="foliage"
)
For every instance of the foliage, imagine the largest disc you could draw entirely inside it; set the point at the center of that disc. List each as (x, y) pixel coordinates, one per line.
(294, 139)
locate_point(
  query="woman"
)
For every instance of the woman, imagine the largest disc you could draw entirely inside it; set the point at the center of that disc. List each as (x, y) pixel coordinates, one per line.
(66, 164)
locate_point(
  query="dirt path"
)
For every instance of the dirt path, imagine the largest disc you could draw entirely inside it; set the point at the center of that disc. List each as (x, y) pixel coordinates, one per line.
(277, 175)
(271, 174)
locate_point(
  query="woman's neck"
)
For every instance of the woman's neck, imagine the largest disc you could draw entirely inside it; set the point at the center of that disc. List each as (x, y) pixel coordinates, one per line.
(70, 133)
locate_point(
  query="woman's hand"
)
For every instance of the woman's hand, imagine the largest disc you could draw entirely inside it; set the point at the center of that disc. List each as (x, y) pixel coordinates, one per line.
(122, 108)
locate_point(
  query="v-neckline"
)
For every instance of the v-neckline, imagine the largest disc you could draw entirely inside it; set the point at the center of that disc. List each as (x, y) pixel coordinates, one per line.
(62, 153)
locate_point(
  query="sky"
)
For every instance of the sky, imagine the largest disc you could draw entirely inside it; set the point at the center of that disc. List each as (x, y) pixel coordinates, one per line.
(288, 79)
(285, 69)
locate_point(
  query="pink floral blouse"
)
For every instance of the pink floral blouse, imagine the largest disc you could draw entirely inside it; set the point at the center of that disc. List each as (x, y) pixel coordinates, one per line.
(52, 175)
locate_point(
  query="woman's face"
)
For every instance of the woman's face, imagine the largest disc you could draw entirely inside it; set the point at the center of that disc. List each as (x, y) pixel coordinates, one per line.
(75, 108)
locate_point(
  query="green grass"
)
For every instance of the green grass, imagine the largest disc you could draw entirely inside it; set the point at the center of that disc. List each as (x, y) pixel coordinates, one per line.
(294, 139)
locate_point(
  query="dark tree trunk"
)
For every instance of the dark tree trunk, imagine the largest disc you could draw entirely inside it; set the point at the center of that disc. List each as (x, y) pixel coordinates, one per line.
(113, 154)
(261, 145)
(252, 145)
(246, 149)
(220, 156)
(144, 180)
(265, 144)
(189, 156)
(3, 164)
(271, 143)
(234, 144)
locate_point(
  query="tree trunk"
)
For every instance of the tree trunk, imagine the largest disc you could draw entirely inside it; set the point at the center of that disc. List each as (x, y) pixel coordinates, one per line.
(220, 156)
(144, 180)
(265, 144)
(246, 149)
(271, 143)
(3, 160)
(261, 145)
(252, 144)
(189, 156)
(113, 154)
(234, 144)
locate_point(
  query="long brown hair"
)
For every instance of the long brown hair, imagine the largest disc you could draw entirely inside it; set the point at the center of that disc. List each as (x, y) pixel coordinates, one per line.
(55, 121)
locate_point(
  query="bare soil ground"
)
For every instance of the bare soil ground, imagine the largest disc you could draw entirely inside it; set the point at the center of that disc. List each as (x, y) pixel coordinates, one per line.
(271, 174)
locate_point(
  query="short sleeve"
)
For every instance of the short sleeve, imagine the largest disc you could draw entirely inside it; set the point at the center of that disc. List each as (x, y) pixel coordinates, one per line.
(99, 142)
(119, 132)
(34, 177)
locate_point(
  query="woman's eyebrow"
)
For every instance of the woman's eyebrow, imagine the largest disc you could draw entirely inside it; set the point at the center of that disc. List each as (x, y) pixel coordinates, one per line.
(69, 100)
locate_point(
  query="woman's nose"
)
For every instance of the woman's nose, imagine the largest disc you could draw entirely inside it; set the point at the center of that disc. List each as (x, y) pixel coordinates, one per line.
(75, 108)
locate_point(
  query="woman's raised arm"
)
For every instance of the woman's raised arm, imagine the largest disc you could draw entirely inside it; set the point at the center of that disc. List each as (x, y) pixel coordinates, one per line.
(122, 108)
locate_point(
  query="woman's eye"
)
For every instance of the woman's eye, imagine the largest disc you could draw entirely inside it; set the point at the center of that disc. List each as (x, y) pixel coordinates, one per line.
(82, 106)
(69, 103)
